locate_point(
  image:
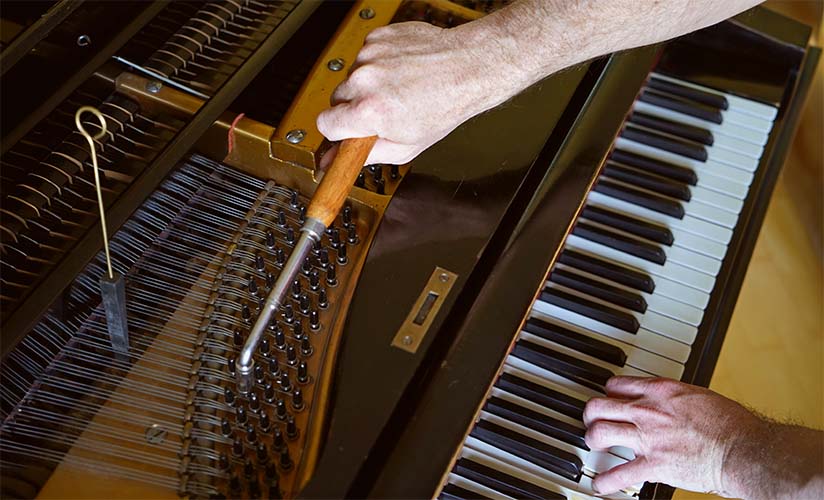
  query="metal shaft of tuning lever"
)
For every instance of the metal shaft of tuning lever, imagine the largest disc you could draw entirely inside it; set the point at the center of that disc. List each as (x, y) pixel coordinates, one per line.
(327, 201)
(112, 285)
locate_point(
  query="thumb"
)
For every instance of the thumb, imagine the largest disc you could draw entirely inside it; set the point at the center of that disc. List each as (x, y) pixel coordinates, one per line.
(622, 476)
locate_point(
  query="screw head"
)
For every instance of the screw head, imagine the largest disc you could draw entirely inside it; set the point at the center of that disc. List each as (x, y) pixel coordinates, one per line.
(443, 277)
(407, 340)
(84, 41)
(154, 86)
(335, 64)
(295, 136)
(367, 13)
(155, 434)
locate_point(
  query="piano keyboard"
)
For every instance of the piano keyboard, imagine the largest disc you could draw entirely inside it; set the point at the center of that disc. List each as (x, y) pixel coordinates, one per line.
(626, 295)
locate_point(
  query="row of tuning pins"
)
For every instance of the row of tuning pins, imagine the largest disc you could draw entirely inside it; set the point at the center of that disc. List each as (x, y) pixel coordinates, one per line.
(375, 174)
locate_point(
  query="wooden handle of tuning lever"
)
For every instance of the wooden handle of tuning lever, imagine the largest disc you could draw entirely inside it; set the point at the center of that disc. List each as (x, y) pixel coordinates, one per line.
(339, 178)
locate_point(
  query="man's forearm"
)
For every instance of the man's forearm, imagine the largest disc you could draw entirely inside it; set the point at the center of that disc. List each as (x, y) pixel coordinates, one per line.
(536, 38)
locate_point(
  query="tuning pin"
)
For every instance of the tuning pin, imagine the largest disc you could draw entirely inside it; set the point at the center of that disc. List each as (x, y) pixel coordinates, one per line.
(323, 300)
(260, 262)
(251, 434)
(352, 234)
(264, 348)
(291, 355)
(304, 303)
(231, 365)
(296, 288)
(274, 369)
(303, 372)
(331, 275)
(225, 427)
(254, 489)
(280, 409)
(394, 172)
(316, 246)
(306, 267)
(334, 238)
(285, 459)
(262, 453)
(245, 313)
(288, 313)
(280, 256)
(305, 346)
(254, 402)
(237, 338)
(380, 186)
(297, 329)
(237, 447)
(281, 217)
(270, 240)
(290, 235)
(260, 301)
(271, 474)
(323, 257)
(314, 320)
(291, 428)
(285, 383)
(270, 281)
(280, 339)
(260, 377)
(248, 469)
(264, 422)
(253, 286)
(234, 486)
(240, 415)
(278, 443)
(297, 399)
(229, 397)
(269, 392)
(314, 279)
(342, 258)
(346, 216)
(302, 214)
(361, 180)
(223, 462)
(293, 199)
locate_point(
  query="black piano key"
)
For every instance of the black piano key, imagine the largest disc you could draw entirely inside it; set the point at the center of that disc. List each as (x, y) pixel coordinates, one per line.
(581, 343)
(502, 482)
(712, 100)
(657, 167)
(543, 396)
(671, 144)
(590, 309)
(538, 422)
(614, 272)
(647, 230)
(446, 495)
(603, 291)
(550, 458)
(666, 206)
(652, 182)
(690, 132)
(451, 491)
(681, 105)
(579, 371)
(627, 244)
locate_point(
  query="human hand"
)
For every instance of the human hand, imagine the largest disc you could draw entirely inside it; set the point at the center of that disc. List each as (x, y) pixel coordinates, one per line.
(682, 435)
(413, 83)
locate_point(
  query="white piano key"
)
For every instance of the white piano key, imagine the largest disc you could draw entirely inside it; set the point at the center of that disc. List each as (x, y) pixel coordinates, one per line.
(746, 120)
(681, 293)
(730, 143)
(689, 224)
(644, 339)
(709, 213)
(670, 270)
(733, 158)
(693, 260)
(728, 203)
(480, 489)
(755, 108)
(596, 461)
(730, 129)
(655, 301)
(649, 320)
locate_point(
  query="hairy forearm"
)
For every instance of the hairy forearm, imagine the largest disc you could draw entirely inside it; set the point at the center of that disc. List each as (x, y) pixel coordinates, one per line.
(771, 460)
(535, 38)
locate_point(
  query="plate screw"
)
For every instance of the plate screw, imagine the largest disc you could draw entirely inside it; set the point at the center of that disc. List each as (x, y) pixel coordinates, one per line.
(295, 136)
(155, 434)
(444, 277)
(367, 13)
(407, 340)
(154, 86)
(335, 64)
(83, 41)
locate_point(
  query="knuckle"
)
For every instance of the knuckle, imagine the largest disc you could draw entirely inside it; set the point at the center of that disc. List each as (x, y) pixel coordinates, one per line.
(597, 435)
(363, 76)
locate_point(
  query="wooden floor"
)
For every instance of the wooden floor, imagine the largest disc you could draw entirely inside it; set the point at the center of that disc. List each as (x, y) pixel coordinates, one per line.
(773, 355)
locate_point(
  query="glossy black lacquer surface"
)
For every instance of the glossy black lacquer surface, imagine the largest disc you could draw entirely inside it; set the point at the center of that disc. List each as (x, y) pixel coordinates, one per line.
(446, 213)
